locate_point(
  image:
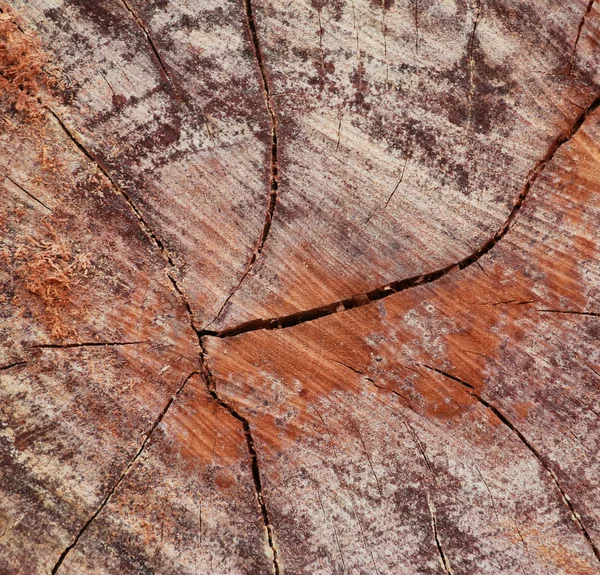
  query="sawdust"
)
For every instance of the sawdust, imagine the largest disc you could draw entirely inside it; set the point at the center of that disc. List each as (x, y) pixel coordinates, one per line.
(52, 271)
(23, 65)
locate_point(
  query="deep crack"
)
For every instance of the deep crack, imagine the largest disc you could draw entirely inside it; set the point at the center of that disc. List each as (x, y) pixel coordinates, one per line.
(205, 370)
(500, 415)
(570, 312)
(258, 489)
(274, 173)
(92, 158)
(128, 467)
(148, 231)
(397, 286)
(579, 29)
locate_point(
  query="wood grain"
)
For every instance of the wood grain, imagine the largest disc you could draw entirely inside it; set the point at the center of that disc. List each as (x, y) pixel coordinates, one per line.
(299, 288)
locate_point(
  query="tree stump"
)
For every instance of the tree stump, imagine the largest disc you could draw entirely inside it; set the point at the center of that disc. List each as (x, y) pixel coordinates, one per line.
(300, 287)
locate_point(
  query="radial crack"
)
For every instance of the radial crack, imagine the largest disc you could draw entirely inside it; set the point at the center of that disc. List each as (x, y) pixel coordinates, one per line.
(144, 30)
(13, 364)
(274, 174)
(444, 561)
(579, 29)
(397, 286)
(153, 237)
(258, 489)
(500, 415)
(125, 471)
(26, 192)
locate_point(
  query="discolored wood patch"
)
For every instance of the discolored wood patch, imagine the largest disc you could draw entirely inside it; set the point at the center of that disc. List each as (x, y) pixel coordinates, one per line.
(299, 288)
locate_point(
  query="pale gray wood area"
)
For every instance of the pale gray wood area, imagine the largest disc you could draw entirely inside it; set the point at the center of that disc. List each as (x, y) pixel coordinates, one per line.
(299, 287)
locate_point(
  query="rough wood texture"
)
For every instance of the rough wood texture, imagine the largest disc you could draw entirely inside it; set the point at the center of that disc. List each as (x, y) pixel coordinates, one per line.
(300, 288)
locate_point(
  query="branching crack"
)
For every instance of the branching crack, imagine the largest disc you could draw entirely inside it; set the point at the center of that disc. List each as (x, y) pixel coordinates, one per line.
(397, 286)
(444, 561)
(579, 29)
(26, 192)
(206, 373)
(274, 175)
(500, 415)
(258, 489)
(153, 237)
(273, 196)
(127, 469)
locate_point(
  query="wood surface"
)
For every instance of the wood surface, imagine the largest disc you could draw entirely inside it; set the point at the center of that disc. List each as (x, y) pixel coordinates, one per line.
(299, 287)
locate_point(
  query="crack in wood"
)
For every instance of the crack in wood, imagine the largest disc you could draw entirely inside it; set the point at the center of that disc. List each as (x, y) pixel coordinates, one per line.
(444, 561)
(26, 192)
(246, 426)
(382, 292)
(274, 171)
(471, 60)
(122, 476)
(500, 415)
(256, 474)
(13, 364)
(146, 33)
(148, 231)
(579, 29)
(570, 312)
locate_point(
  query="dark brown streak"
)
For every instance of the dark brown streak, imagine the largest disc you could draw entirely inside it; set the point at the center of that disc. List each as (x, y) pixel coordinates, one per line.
(416, 17)
(29, 194)
(274, 176)
(397, 286)
(256, 476)
(530, 447)
(579, 29)
(128, 467)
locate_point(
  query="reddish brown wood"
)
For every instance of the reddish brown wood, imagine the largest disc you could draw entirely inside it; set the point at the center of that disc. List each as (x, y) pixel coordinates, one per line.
(299, 288)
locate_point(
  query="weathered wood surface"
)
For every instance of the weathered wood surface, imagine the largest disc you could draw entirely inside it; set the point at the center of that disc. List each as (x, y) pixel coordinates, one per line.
(410, 190)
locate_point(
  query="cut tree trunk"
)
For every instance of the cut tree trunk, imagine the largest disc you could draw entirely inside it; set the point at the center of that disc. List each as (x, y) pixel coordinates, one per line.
(300, 287)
